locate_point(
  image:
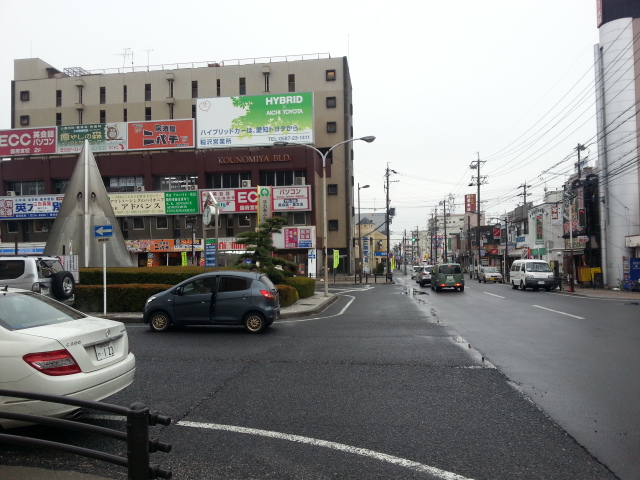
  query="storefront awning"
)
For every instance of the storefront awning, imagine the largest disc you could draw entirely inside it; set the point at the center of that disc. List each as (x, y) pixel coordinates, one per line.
(517, 252)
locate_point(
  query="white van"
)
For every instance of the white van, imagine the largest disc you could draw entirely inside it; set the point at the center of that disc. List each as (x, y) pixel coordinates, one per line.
(534, 274)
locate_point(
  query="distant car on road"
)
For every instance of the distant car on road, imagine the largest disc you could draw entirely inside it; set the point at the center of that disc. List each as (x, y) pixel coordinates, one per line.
(489, 274)
(414, 270)
(447, 275)
(48, 347)
(423, 276)
(216, 298)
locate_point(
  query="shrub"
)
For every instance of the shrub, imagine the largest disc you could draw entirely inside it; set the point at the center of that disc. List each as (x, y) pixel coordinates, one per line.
(145, 275)
(288, 295)
(305, 286)
(120, 298)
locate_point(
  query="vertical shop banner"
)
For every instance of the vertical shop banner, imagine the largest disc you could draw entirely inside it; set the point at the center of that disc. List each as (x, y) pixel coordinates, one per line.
(336, 258)
(28, 141)
(103, 137)
(470, 203)
(211, 252)
(264, 204)
(254, 120)
(160, 135)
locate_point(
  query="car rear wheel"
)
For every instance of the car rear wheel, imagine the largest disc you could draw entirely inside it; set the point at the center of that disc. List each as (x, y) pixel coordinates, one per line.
(254, 322)
(160, 322)
(522, 286)
(462, 289)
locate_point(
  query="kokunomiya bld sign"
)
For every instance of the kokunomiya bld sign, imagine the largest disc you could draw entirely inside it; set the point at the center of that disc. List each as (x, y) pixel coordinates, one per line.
(254, 120)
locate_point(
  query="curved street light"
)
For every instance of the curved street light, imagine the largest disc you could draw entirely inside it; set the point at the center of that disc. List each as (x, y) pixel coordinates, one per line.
(324, 156)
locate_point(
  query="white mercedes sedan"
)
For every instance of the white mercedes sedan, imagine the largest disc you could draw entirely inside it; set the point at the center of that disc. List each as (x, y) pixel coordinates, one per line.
(48, 347)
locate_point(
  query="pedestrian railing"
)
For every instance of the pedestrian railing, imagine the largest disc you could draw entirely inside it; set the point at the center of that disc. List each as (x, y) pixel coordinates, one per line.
(139, 446)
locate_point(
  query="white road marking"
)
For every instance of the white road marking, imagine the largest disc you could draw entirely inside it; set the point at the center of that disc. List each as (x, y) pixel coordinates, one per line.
(557, 311)
(321, 318)
(493, 295)
(402, 462)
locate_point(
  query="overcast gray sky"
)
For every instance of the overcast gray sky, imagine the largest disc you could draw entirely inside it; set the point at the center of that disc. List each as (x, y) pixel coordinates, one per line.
(437, 82)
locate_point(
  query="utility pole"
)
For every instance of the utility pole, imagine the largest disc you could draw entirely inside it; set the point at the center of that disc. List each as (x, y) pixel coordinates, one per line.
(477, 180)
(524, 192)
(579, 149)
(387, 174)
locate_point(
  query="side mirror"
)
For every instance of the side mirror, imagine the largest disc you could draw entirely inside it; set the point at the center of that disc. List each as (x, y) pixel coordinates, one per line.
(177, 291)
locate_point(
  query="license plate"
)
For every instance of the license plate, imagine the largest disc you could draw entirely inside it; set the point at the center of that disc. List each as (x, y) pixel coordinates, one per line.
(540, 282)
(104, 350)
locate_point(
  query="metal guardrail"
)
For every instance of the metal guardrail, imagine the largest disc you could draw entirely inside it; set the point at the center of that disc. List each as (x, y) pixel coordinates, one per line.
(139, 446)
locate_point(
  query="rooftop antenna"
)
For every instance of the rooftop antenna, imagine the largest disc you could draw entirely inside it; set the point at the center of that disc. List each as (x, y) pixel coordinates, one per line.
(125, 53)
(148, 50)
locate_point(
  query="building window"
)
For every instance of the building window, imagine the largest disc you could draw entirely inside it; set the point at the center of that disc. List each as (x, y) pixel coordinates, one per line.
(24, 120)
(34, 187)
(24, 96)
(12, 227)
(218, 87)
(243, 86)
(299, 218)
(332, 127)
(266, 83)
(162, 223)
(228, 180)
(193, 111)
(138, 223)
(124, 93)
(125, 115)
(103, 95)
(147, 92)
(58, 98)
(170, 88)
(292, 82)
(332, 189)
(333, 224)
(60, 186)
(79, 117)
(103, 116)
(244, 220)
(176, 182)
(331, 75)
(147, 113)
(171, 111)
(79, 94)
(194, 89)
(331, 102)
(58, 119)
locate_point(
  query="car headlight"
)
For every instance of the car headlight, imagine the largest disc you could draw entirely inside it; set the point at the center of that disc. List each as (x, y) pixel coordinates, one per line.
(150, 299)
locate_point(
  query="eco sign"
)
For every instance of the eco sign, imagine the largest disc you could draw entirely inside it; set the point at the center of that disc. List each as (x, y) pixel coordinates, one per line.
(254, 120)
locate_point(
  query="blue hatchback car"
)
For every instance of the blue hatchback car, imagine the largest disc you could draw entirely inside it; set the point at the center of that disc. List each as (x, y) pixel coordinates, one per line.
(216, 298)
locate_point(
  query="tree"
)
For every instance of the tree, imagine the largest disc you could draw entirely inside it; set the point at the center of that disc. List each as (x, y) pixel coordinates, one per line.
(261, 243)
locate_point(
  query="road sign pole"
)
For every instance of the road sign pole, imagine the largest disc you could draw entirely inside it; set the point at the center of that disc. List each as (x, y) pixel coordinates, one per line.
(104, 277)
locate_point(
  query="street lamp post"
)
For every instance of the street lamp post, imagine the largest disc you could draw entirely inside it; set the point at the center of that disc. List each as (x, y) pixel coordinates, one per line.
(324, 156)
(360, 256)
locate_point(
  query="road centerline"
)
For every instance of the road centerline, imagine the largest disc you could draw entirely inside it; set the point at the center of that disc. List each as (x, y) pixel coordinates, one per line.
(557, 311)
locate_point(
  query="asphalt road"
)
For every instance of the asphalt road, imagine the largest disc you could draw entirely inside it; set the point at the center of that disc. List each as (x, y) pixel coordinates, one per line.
(578, 358)
(381, 385)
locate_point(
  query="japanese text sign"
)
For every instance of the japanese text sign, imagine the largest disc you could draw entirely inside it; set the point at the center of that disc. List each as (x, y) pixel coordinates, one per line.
(160, 135)
(30, 141)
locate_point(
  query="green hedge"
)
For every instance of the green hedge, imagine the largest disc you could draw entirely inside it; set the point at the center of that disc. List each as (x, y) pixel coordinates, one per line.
(120, 298)
(146, 275)
(305, 286)
(288, 295)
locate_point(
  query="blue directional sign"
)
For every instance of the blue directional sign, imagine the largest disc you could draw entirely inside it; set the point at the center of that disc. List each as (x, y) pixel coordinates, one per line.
(102, 231)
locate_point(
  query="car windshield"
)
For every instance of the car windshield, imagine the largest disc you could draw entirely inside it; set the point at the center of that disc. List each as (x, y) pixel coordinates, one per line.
(450, 269)
(491, 270)
(20, 310)
(538, 267)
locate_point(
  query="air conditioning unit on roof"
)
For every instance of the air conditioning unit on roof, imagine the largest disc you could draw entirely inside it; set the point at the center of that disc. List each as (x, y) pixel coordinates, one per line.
(299, 181)
(139, 188)
(246, 183)
(192, 187)
(11, 193)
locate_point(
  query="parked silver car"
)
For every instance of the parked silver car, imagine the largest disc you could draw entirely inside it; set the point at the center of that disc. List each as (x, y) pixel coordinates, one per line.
(40, 274)
(216, 298)
(489, 274)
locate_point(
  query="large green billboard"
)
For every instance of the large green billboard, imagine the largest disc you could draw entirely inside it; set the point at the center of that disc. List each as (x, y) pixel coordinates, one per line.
(254, 120)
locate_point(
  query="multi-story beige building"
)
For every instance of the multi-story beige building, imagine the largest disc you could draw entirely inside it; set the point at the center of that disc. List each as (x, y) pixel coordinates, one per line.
(149, 99)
